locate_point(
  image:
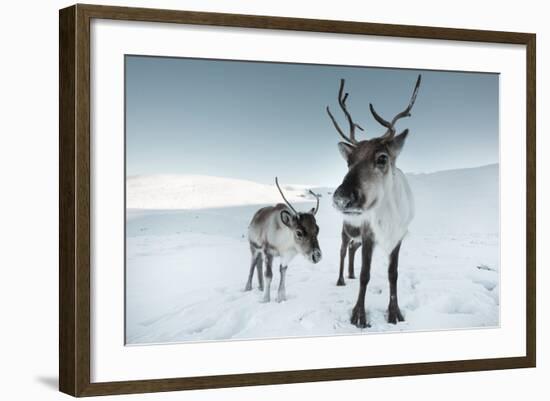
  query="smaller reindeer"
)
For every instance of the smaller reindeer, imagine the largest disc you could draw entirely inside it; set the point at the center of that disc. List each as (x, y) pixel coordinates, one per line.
(280, 231)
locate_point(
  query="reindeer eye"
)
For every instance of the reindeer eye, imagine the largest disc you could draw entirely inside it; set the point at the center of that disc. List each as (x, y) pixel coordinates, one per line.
(381, 160)
(299, 234)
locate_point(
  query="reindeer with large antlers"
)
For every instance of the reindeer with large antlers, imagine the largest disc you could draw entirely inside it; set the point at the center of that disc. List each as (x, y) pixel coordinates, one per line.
(375, 199)
(281, 231)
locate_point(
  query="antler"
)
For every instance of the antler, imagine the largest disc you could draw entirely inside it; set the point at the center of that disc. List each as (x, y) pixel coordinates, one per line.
(281, 192)
(316, 197)
(352, 125)
(390, 133)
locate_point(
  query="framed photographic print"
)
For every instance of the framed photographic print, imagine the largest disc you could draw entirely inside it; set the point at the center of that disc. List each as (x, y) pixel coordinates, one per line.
(250, 200)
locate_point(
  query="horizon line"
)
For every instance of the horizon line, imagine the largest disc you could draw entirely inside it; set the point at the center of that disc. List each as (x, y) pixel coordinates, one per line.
(409, 173)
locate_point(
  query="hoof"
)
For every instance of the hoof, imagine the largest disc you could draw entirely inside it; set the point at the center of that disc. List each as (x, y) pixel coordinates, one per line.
(248, 287)
(394, 315)
(351, 276)
(359, 317)
(266, 300)
(281, 299)
(261, 288)
(340, 282)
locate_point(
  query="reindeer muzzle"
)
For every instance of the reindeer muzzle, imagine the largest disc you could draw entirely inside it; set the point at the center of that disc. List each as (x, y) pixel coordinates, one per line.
(346, 200)
(316, 256)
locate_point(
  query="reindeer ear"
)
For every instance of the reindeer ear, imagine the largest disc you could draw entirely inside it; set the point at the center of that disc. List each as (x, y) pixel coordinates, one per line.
(397, 142)
(287, 218)
(345, 150)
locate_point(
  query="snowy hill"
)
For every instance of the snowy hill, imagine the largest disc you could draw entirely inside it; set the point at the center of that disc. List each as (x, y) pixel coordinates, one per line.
(445, 201)
(453, 200)
(201, 192)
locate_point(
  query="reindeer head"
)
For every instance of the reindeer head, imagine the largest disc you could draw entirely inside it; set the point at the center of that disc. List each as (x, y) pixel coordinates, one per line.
(371, 163)
(304, 228)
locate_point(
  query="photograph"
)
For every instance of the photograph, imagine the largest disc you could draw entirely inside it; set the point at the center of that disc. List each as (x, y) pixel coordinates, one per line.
(268, 200)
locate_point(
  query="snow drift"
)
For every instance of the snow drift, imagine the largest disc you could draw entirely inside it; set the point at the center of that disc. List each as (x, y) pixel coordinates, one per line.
(200, 192)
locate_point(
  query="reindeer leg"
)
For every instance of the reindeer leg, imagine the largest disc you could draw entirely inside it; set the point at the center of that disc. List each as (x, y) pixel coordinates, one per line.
(359, 315)
(281, 295)
(268, 276)
(253, 252)
(394, 314)
(260, 272)
(351, 257)
(343, 251)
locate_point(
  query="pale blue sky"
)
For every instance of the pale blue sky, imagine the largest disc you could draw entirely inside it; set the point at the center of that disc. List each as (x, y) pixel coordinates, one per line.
(255, 120)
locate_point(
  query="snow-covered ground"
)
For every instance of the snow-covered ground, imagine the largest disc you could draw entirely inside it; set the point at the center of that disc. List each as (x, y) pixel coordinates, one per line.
(188, 260)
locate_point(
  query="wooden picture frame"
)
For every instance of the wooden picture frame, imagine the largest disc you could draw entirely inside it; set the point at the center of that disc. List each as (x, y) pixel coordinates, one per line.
(74, 199)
